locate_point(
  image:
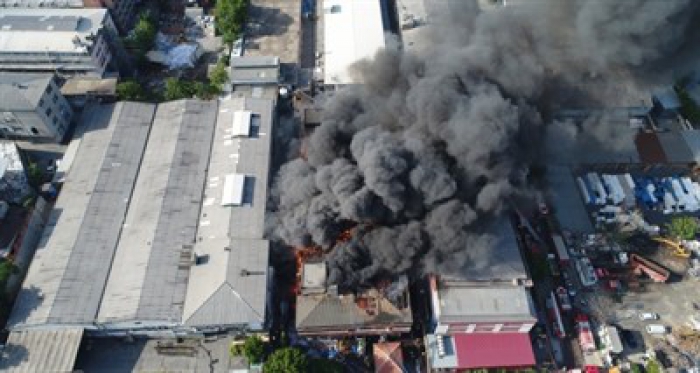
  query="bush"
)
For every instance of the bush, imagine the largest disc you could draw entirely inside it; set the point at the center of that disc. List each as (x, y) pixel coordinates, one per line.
(683, 228)
(131, 90)
(652, 367)
(176, 89)
(287, 360)
(254, 349)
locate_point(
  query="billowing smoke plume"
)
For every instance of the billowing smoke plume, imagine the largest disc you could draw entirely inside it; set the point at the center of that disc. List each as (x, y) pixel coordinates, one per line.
(435, 144)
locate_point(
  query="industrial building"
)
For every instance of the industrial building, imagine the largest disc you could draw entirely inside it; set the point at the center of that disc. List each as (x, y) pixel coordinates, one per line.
(158, 230)
(353, 30)
(68, 41)
(122, 11)
(33, 107)
(257, 70)
(482, 319)
(322, 311)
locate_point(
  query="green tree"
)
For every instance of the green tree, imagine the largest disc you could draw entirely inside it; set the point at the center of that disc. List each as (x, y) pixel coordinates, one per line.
(325, 366)
(176, 89)
(230, 17)
(144, 34)
(683, 227)
(635, 368)
(652, 367)
(219, 75)
(286, 360)
(131, 90)
(35, 176)
(254, 349)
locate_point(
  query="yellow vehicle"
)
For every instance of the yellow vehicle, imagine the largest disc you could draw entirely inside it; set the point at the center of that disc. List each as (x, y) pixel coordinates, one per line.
(678, 249)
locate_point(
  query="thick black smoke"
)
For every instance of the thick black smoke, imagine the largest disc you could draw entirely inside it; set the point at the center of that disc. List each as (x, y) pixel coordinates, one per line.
(435, 143)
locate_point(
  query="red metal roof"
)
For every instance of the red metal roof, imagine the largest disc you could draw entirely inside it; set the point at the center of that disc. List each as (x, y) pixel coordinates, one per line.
(388, 358)
(493, 350)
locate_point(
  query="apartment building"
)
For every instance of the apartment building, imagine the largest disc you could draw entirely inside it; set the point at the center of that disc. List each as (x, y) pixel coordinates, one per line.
(66, 41)
(122, 11)
(32, 107)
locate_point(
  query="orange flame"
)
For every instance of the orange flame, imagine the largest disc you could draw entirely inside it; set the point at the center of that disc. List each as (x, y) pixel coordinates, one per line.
(302, 254)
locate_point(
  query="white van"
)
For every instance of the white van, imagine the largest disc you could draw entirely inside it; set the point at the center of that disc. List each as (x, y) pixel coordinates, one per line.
(656, 329)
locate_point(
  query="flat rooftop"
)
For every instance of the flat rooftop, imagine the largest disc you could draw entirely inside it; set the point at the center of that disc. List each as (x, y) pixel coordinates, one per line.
(37, 30)
(22, 91)
(353, 30)
(491, 304)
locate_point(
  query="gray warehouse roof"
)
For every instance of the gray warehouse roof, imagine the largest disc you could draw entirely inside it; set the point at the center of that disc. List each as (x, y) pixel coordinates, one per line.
(149, 275)
(139, 235)
(66, 279)
(229, 286)
(255, 70)
(501, 263)
(22, 91)
(41, 350)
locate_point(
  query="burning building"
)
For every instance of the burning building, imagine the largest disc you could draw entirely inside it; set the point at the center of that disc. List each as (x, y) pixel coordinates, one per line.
(323, 310)
(482, 318)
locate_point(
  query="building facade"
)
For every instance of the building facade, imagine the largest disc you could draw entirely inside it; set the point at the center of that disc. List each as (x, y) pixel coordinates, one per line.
(65, 41)
(32, 107)
(123, 11)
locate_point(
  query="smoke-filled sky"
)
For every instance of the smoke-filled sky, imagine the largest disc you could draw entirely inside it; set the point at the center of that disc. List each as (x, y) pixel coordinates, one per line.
(437, 141)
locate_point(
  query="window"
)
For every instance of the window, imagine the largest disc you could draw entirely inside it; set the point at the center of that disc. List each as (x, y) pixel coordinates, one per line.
(55, 98)
(35, 131)
(48, 112)
(55, 121)
(49, 89)
(41, 102)
(484, 328)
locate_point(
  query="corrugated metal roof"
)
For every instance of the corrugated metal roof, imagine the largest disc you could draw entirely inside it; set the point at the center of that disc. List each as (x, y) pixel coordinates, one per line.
(231, 237)
(149, 275)
(255, 61)
(68, 274)
(50, 351)
(493, 350)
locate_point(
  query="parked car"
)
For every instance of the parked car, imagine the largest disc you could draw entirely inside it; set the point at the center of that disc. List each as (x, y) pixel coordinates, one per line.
(656, 329)
(648, 316)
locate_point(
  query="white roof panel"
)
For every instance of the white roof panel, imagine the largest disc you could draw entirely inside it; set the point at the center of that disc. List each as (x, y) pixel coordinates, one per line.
(233, 190)
(241, 123)
(353, 30)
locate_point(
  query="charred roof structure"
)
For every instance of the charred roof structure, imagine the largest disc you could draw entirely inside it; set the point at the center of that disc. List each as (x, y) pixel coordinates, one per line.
(323, 311)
